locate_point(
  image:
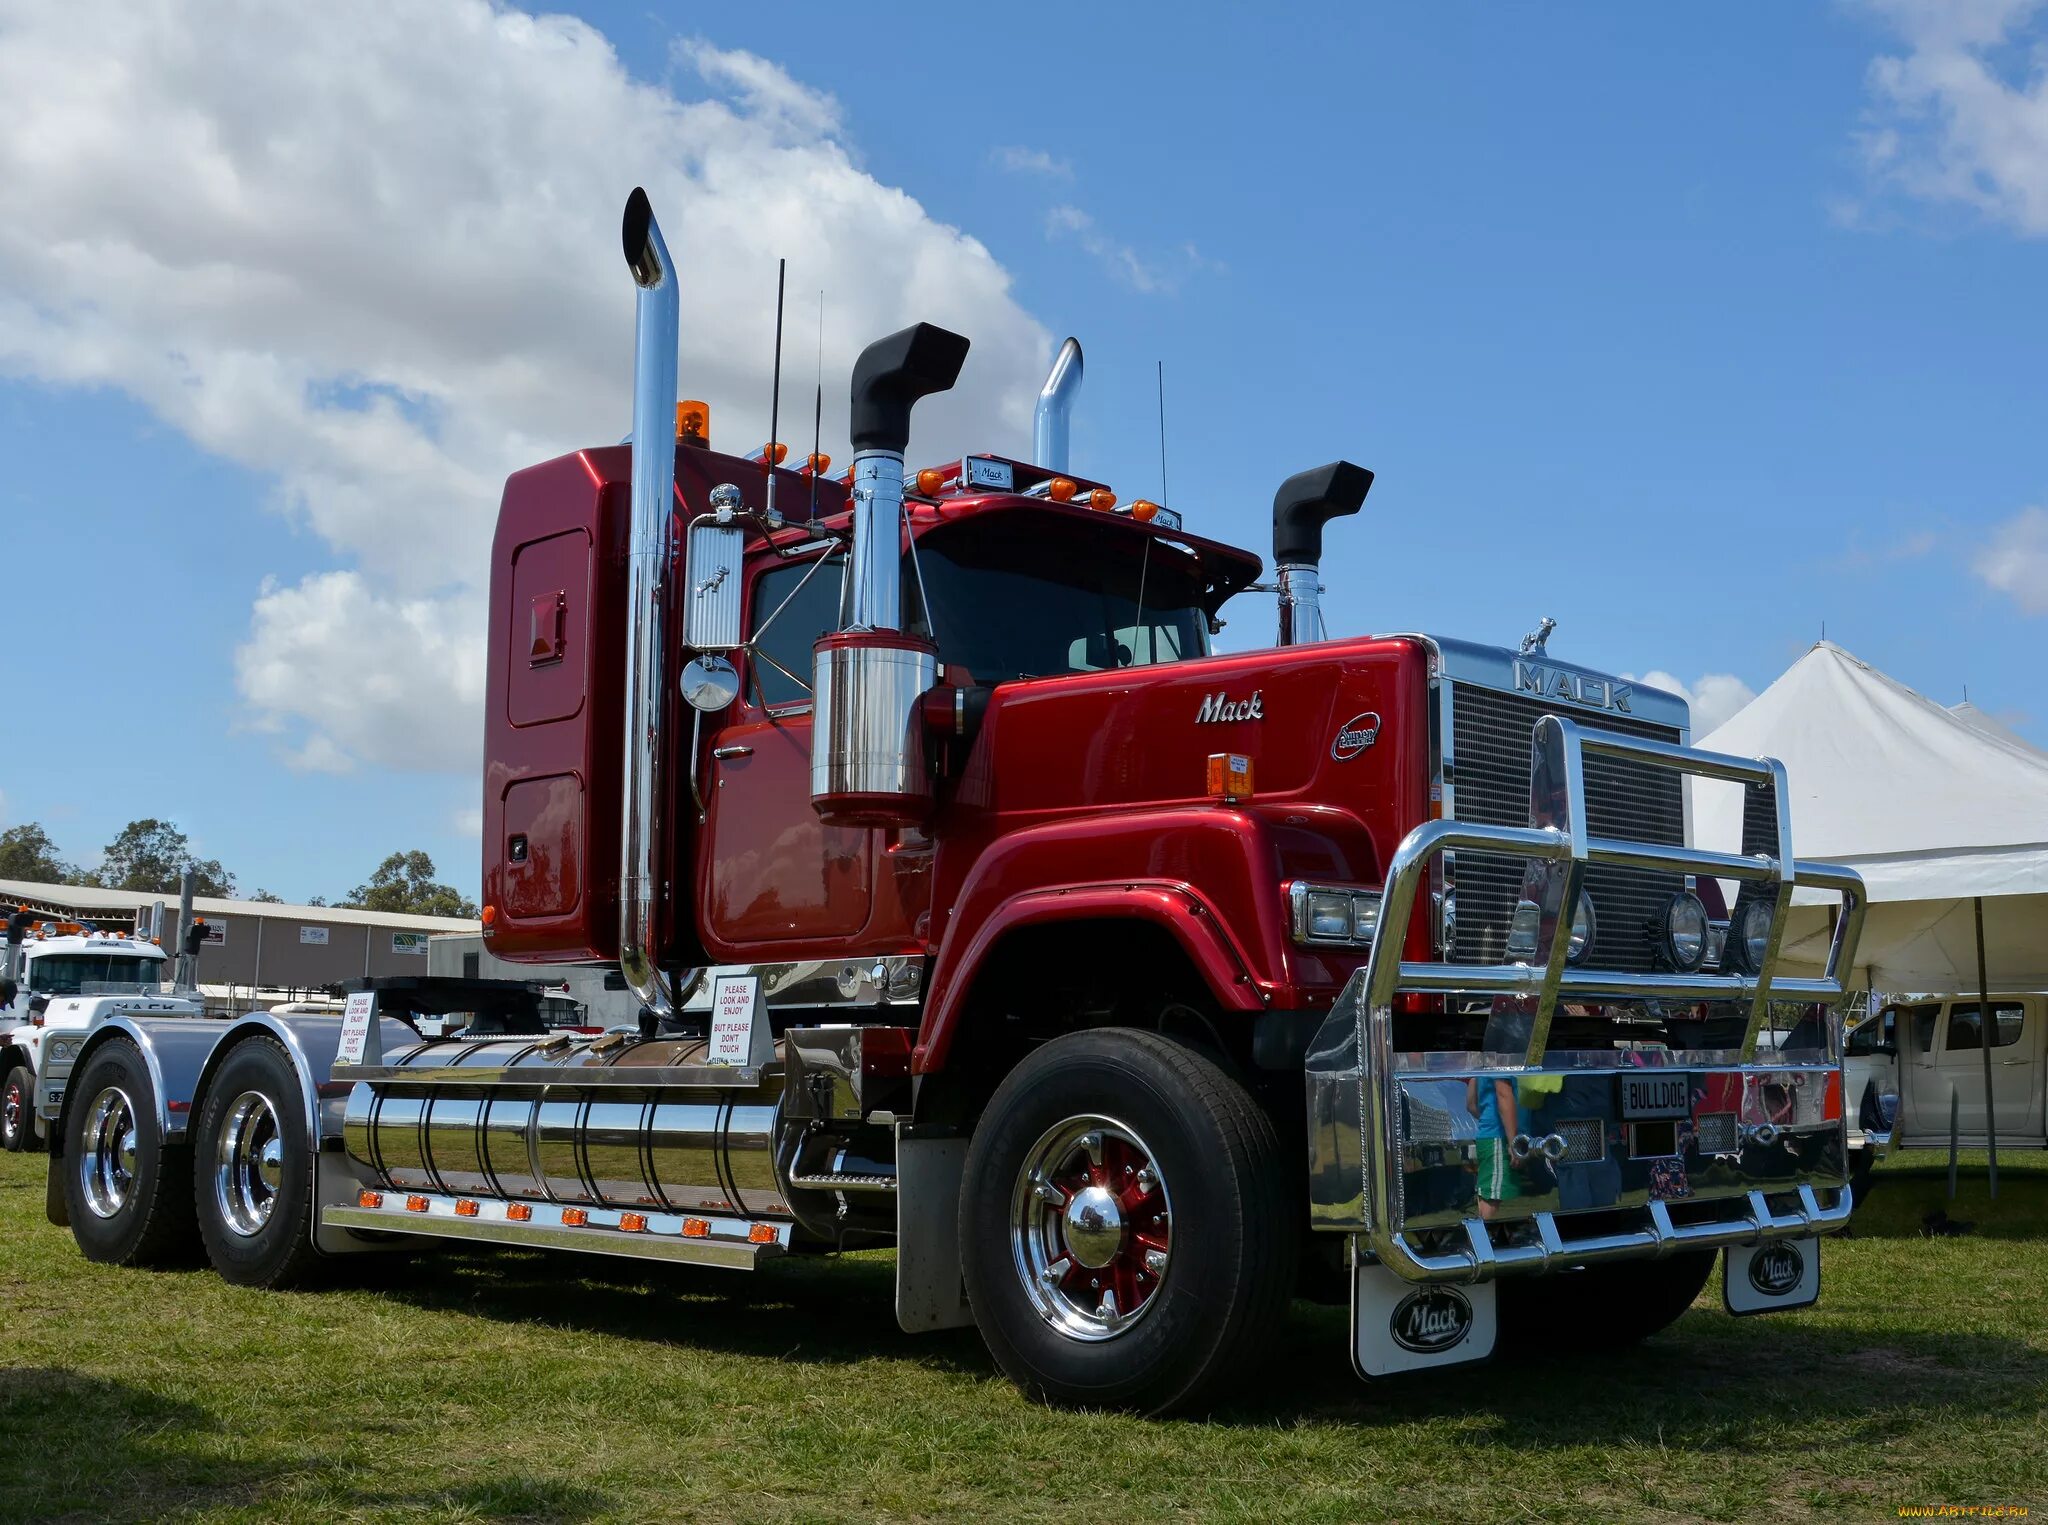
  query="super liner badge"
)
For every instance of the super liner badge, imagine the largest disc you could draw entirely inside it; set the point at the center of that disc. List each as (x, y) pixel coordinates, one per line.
(1355, 735)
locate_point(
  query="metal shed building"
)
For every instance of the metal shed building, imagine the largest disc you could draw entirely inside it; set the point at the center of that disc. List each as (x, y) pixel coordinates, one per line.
(255, 943)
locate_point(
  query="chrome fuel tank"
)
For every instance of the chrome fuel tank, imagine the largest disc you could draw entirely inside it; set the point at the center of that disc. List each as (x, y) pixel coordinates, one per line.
(609, 1122)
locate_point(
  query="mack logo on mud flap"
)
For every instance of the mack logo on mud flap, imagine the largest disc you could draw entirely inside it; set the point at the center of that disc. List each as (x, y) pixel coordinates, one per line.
(1431, 1319)
(1219, 707)
(1776, 1269)
(1580, 688)
(1356, 734)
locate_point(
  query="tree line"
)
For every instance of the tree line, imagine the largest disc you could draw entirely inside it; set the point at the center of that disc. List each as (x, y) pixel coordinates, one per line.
(151, 856)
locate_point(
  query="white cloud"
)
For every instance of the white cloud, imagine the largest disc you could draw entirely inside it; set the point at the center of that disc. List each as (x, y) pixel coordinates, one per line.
(1121, 260)
(370, 252)
(1714, 698)
(1031, 161)
(392, 681)
(1962, 115)
(468, 822)
(2016, 560)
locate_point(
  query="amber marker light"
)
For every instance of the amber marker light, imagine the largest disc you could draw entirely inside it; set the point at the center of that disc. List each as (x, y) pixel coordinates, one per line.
(574, 1217)
(415, 1204)
(776, 452)
(696, 1228)
(818, 465)
(1101, 499)
(633, 1223)
(518, 1212)
(1062, 489)
(465, 1208)
(762, 1233)
(490, 917)
(930, 480)
(1230, 777)
(1144, 510)
(369, 1199)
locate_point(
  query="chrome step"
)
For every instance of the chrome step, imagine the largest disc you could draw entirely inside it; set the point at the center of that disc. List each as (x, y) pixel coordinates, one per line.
(843, 1180)
(696, 1240)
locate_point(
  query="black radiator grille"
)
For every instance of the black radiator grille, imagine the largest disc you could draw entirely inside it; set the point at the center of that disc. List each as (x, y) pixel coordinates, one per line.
(1490, 736)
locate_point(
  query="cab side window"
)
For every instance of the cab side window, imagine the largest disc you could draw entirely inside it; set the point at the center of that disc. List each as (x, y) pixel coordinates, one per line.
(1923, 1019)
(1966, 1029)
(790, 634)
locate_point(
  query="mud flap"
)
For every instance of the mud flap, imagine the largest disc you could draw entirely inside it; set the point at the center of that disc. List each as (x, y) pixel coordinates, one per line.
(55, 1208)
(1400, 1326)
(1769, 1278)
(931, 1292)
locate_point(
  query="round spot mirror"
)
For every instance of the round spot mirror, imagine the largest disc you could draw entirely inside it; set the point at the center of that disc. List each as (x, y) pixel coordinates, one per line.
(710, 683)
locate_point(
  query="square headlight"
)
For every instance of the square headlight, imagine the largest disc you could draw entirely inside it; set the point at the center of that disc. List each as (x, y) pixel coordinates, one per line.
(1328, 914)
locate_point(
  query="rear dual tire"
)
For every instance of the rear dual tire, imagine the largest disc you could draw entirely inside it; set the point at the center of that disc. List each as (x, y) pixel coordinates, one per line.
(253, 1169)
(1124, 1222)
(127, 1189)
(18, 1111)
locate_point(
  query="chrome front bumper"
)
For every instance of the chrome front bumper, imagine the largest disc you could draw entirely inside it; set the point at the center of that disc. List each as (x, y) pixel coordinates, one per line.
(1395, 1156)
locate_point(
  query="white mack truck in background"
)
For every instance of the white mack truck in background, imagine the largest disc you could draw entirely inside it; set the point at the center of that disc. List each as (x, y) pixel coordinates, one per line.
(61, 979)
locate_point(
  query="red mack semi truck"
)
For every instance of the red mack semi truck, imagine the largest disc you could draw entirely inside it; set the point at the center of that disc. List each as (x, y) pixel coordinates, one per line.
(974, 906)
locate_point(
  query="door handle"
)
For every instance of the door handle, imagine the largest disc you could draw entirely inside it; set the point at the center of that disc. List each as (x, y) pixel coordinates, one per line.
(732, 751)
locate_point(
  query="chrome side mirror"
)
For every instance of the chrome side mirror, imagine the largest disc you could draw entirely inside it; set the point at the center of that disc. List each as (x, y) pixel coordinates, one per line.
(709, 683)
(711, 587)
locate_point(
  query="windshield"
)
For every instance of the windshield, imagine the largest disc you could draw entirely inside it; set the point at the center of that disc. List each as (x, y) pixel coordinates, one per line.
(1007, 602)
(71, 973)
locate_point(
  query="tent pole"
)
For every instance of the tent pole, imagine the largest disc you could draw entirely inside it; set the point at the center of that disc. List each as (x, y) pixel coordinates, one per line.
(1985, 1028)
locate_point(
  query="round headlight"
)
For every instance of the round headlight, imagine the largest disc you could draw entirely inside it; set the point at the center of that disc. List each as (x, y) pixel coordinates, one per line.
(1583, 929)
(1682, 935)
(1751, 934)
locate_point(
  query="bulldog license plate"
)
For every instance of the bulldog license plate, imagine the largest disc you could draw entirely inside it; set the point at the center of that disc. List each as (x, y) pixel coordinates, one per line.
(1653, 1095)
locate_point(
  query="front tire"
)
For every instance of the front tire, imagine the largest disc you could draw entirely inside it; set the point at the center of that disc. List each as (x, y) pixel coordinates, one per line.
(253, 1182)
(128, 1190)
(1601, 1307)
(1125, 1234)
(18, 1111)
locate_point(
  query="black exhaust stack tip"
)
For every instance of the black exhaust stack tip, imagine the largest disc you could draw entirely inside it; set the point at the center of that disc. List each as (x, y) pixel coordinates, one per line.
(893, 373)
(633, 235)
(1307, 501)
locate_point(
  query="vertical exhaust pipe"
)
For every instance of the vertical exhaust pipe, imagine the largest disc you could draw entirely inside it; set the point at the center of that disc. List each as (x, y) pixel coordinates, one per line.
(1306, 502)
(1056, 408)
(657, 323)
(867, 743)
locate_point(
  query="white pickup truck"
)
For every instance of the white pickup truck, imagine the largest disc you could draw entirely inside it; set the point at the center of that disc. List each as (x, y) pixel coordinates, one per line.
(1918, 1060)
(70, 979)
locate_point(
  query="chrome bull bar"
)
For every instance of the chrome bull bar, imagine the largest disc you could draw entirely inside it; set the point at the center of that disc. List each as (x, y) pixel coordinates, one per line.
(1760, 1188)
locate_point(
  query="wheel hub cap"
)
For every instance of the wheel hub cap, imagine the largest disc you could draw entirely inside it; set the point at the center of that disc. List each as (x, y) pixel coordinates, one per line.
(248, 1163)
(106, 1158)
(1095, 1229)
(1091, 1227)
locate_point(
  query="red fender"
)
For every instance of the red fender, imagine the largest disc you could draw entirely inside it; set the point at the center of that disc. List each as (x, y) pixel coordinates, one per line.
(1170, 905)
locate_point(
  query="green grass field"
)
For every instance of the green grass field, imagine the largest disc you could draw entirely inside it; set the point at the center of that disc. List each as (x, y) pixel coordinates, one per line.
(475, 1387)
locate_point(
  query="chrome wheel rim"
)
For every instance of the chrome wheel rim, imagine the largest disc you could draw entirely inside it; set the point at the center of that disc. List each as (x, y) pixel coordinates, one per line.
(248, 1163)
(1091, 1225)
(11, 1111)
(106, 1162)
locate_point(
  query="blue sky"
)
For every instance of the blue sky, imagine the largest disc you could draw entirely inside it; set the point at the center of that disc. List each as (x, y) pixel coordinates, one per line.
(1695, 328)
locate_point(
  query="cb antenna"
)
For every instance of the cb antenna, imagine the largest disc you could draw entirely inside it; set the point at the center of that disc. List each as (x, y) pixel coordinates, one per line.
(818, 409)
(775, 394)
(1162, 430)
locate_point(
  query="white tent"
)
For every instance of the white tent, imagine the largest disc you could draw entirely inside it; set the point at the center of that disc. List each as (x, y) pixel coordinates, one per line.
(1932, 808)
(1991, 725)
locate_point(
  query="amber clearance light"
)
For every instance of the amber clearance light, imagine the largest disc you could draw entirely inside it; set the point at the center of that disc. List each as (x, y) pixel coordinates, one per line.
(930, 480)
(1101, 499)
(1062, 489)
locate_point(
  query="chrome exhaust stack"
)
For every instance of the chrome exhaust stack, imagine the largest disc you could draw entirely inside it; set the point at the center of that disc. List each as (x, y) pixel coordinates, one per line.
(1306, 502)
(1049, 425)
(656, 334)
(867, 749)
